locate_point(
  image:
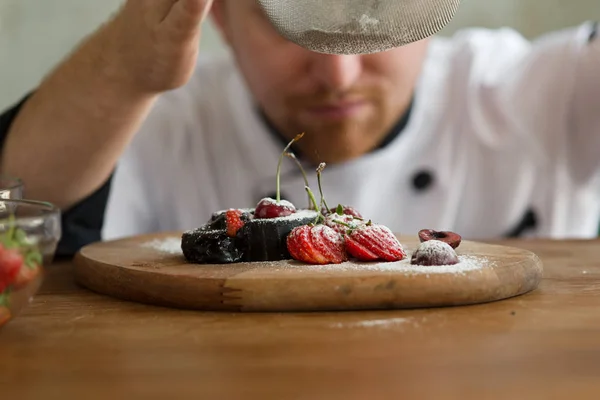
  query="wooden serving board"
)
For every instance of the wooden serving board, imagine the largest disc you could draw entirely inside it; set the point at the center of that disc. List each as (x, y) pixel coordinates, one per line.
(136, 269)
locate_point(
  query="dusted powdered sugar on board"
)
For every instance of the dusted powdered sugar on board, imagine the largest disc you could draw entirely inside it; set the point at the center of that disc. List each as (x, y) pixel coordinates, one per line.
(172, 245)
(151, 269)
(376, 323)
(467, 263)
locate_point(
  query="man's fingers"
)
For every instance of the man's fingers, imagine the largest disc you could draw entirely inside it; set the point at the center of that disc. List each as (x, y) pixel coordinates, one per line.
(185, 16)
(153, 12)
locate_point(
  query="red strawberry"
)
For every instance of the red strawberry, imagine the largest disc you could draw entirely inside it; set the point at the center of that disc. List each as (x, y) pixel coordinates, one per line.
(10, 265)
(26, 276)
(342, 223)
(374, 242)
(345, 210)
(233, 220)
(316, 244)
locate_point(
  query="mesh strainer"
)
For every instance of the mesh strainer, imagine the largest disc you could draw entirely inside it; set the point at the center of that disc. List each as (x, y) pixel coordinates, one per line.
(357, 26)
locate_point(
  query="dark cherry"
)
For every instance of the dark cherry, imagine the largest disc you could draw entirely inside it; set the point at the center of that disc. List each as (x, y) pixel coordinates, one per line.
(434, 252)
(270, 208)
(451, 238)
(275, 208)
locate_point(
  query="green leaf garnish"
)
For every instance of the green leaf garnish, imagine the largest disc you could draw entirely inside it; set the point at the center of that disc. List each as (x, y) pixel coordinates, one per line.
(5, 298)
(16, 238)
(20, 236)
(12, 226)
(33, 259)
(340, 210)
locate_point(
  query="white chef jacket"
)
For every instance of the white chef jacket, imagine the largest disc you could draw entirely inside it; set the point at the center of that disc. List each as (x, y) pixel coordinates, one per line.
(502, 131)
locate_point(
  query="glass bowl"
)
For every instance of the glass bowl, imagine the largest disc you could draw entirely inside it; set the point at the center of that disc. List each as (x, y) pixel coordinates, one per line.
(10, 187)
(29, 233)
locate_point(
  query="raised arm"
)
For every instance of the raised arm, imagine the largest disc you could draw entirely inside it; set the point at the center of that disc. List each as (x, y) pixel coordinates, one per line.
(67, 138)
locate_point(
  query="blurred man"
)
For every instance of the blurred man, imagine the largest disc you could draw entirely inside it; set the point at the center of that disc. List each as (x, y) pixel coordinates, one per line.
(485, 134)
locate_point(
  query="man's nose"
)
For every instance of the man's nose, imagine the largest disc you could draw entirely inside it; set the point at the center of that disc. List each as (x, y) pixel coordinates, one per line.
(336, 72)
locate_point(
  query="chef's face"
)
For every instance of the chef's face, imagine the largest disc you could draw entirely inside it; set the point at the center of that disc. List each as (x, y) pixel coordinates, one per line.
(345, 104)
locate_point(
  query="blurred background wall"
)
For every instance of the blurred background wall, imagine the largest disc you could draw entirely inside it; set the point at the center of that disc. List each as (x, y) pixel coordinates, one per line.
(36, 34)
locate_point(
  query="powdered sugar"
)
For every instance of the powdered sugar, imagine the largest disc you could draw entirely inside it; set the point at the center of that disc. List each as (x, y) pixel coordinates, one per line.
(170, 245)
(273, 202)
(466, 263)
(366, 22)
(371, 323)
(243, 210)
(435, 252)
(432, 247)
(330, 235)
(297, 216)
(341, 223)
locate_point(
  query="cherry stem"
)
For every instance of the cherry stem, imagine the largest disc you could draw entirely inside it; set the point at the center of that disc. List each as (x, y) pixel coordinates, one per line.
(293, 157)
(342, 223)
(278, 187)
(319, 170)
(314, 201)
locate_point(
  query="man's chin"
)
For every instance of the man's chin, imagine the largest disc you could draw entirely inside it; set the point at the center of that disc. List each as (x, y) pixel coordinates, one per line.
(335, 143)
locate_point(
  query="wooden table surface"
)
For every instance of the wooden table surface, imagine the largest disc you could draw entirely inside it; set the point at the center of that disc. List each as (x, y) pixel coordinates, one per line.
(71, 343)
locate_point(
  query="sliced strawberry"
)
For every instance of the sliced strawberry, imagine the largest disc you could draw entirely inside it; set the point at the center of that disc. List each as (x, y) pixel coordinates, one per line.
(233, 220)
(10, 265)
(369, 241)
(298, 243)
(292, 248)
(358, 251)
(328, 243)
(317, 244)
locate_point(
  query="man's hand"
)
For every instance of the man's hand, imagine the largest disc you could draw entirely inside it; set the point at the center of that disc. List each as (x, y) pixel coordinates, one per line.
(151, 46)
(95, 101)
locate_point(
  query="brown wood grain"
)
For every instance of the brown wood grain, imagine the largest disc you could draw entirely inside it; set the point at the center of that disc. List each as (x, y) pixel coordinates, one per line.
(129, 270)
(71, 343)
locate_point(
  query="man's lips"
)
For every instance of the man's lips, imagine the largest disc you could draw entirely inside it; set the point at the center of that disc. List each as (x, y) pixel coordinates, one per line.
(338, 110)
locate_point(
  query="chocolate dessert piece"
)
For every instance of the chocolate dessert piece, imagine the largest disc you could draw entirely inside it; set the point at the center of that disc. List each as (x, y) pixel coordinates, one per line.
(258, 234)
(210, 246)
(217, 219)
(266, 239)
(258, 240)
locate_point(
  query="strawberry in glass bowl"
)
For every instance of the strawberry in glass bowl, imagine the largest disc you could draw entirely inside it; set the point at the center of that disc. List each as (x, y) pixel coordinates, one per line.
(29, 233)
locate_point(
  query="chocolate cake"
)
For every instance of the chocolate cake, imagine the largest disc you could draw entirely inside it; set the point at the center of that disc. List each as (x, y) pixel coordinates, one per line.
(258, 240)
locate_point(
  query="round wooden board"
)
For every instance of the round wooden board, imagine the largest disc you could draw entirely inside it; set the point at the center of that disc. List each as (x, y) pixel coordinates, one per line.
(135, 269)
